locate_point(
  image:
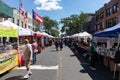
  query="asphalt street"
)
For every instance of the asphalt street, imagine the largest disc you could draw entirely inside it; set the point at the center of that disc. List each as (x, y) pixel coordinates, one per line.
(59, 65)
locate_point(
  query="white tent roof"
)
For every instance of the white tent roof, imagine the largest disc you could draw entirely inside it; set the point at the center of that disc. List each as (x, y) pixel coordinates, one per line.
(85, 34)
(50, 36)
(9, 24)
(24, 32)
(44, 33)
(8, 29)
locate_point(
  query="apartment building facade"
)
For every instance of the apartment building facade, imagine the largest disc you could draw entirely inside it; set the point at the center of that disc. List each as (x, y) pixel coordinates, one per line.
(29, 21)
(108, 15)
(18, 19)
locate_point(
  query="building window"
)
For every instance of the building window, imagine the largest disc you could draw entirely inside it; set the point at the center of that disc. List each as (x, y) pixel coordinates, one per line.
(12, 20)
(114, 21)
(25, 26)
(5, 19)
(97, 18)
(102, 15)
(109, 11)
(99, 26)
(111, 22)
(29, 27)
(115, 8)
(22, 23)
(18, 22)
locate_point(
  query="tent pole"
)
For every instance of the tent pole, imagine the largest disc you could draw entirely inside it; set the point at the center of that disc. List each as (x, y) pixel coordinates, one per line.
(118, 40)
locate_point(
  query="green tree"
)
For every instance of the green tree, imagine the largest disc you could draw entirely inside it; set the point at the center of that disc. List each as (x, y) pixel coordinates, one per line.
(75, 23)
(55, 32)
(49, 24)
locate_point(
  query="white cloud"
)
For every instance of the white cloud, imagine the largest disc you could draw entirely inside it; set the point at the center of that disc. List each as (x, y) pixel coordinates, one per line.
(47, 4)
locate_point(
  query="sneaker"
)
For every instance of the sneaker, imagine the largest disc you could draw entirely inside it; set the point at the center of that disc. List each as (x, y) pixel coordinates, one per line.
(92, 68)
(26, 76)
(29, 72)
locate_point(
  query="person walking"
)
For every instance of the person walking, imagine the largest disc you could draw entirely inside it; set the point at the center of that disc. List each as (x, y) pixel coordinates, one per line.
(93, 56)
(27, 57)
(61, 44)
(35, 50)
(56, 44)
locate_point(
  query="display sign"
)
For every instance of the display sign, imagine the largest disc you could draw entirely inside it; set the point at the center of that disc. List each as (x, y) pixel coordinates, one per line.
(8, 32)
(8, 61)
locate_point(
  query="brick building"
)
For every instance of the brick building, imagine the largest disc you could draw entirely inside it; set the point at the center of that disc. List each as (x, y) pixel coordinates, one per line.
(108, 15)
(89, 27)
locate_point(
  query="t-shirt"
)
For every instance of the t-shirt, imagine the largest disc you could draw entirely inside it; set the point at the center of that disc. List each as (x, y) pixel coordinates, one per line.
(28, 51)
(92, 49)
(34, 47)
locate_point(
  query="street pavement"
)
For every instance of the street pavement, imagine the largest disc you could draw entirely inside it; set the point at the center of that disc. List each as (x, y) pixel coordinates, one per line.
(60, 65)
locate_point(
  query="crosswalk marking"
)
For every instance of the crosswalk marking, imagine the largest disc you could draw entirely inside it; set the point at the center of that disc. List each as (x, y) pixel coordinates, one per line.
(41, 67)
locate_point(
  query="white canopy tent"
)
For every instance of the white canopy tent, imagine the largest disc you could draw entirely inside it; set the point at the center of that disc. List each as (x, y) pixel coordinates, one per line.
(8, 29)
(85, 34)
(45, 34)
(25, 32)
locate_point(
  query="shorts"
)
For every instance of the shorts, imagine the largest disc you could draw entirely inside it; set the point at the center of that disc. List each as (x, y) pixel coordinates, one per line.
(27, 63)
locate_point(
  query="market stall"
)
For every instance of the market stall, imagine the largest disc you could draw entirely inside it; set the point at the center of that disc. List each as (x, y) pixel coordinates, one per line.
(38, 35)
(8, 53)
(50, 39)
(25, 34)
(46, 39)
(110, 38)
(109, 32)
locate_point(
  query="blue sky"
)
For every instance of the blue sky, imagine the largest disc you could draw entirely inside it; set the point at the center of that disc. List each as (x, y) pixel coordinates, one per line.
(57, 9)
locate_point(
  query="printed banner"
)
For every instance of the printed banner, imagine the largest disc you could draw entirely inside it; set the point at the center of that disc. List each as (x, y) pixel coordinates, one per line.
(10, 62)
(8, 32)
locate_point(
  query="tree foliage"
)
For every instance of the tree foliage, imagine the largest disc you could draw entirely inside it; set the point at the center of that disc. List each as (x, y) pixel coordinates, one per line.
(74, 23)
(55, 32)
(49, 24)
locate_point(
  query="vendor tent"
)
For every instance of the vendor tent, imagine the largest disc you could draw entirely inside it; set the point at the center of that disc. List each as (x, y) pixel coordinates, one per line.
(25, 32)
(50, 36)
(38, 34)
(45, 34)
(109, 32)
(8, 29)
(75, 35)
(85, 34)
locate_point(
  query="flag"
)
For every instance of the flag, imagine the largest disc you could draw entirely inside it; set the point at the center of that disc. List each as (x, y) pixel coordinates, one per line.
(21, 8)
(37, 17)
(25, 17)
(23, 12)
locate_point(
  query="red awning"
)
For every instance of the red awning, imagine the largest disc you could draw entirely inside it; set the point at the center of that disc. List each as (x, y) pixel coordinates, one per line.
(37, 34)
